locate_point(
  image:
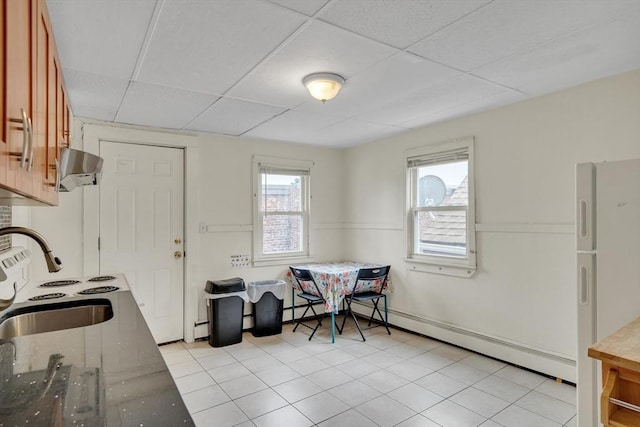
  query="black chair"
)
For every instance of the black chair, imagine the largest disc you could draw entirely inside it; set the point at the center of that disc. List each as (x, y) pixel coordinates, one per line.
(312, 295)
(370, 286)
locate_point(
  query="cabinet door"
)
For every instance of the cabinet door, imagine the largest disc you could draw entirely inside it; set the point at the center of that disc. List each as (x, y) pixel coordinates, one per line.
(4, 151)
(66, 117)
(46, 82)
(54, 132)
(62, 115)
(44, 121)
(32, 128)
(18, 97)
(41, 95)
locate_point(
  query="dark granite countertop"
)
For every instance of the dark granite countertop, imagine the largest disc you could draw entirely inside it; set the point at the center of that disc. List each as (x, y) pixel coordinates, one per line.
(109, 374)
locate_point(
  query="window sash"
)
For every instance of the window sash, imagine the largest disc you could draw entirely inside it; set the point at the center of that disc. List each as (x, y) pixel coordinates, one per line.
(440, 208)
(283, 167)
(415, 210)
(439, 248)
(303, 214)
(282, 213)
(441, 154)
(262, 176)
(439, 158)
(282, 171)
(301, 241)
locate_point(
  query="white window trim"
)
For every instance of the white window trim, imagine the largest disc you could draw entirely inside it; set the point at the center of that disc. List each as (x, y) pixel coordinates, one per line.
(442, 264)
(260, 259)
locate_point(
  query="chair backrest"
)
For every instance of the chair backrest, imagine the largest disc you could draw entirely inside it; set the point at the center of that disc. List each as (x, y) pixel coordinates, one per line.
(372, 279)
(306, 282)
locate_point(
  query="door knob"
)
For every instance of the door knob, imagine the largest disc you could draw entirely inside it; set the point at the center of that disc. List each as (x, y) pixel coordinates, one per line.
(177, 254)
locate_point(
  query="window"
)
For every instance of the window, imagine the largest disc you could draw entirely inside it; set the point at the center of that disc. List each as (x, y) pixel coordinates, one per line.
(441, 220)
(281, 209)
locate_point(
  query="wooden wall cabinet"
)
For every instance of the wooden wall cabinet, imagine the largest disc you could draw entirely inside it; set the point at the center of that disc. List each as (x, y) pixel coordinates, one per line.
(35, 111)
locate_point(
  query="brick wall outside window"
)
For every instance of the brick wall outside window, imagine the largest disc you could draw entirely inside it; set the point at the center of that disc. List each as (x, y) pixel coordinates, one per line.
(282, 233)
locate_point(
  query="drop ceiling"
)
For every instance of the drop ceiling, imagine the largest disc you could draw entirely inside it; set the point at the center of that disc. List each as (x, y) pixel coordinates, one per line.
(235, 67)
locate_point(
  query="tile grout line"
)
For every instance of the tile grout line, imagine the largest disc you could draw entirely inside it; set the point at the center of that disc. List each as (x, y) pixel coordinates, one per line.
(402, 358)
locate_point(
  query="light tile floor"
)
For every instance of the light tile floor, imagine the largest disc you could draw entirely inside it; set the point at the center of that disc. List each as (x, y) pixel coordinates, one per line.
(390, 380)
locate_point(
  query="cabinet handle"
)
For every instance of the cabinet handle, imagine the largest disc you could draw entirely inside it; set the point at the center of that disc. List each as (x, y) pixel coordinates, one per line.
(26, 136)
(31, 148)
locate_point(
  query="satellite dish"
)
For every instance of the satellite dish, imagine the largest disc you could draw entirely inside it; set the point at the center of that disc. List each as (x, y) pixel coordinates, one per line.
(432, 191)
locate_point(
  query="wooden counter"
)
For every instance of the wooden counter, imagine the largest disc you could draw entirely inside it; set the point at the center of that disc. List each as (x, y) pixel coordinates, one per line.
(620, 356)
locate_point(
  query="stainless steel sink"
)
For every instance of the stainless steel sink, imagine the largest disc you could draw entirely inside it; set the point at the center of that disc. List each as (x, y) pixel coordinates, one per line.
(54, 317)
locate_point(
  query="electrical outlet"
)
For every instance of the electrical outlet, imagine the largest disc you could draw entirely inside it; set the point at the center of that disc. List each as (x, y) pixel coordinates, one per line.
(239, 261)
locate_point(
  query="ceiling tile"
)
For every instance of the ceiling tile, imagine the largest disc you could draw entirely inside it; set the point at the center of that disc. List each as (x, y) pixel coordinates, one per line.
(397, 23)
(162, 107)
(515, 26)
(92, 95)
(100, 36)
(394, 78)
(483, 104)
(446, 95)
(319, 48)
(292, 126)
(206, 46)
(255, 54)
(570, 61)
(350, 132)
(308, 7)
(233, 117)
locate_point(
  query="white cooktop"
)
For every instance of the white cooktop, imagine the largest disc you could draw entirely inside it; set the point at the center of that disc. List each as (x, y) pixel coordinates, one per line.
(71, 286)
(13, 264)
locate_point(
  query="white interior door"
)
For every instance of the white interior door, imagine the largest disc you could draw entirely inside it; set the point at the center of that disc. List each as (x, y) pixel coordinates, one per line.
(141, 229)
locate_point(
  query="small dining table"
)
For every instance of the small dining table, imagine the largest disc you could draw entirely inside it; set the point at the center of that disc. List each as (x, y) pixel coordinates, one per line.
(335, 280)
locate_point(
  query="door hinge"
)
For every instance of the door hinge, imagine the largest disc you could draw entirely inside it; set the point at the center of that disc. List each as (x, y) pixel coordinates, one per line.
(98, 243)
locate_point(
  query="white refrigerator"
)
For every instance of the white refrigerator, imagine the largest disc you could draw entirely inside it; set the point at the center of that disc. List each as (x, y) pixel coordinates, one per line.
(608, 266)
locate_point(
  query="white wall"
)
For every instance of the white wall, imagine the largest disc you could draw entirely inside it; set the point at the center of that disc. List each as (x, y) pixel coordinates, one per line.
(221, 198)
(225, 202)
(522, 296)
(61, 226)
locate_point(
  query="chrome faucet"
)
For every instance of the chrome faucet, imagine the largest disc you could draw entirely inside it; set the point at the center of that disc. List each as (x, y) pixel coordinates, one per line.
(53, 262)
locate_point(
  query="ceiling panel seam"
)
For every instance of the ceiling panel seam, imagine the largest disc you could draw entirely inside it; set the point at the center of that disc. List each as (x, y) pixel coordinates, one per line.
(143, 50)
(471, 12)
(544, 43)
(271, 54)
(151, 27)
(124, 96)
(264, 121)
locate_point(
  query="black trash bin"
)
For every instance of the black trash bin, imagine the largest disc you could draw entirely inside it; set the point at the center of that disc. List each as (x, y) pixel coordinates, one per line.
(225, 308)
(267, 297)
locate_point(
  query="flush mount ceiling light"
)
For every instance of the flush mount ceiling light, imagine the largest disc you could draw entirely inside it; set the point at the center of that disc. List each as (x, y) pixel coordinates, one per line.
(323, 86)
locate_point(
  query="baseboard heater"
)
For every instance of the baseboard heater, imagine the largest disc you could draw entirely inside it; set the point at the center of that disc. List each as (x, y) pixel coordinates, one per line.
(441, 325)
(487, 338)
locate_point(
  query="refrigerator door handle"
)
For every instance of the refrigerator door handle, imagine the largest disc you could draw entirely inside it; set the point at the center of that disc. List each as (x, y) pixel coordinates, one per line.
(583, 220)
(585, 277)
(585, 207)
